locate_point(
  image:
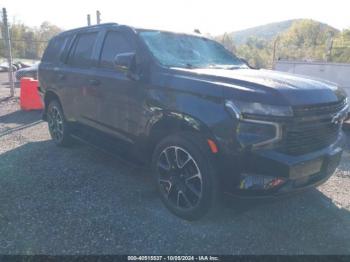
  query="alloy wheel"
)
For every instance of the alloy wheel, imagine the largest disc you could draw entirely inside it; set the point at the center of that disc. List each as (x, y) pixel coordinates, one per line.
(180, 179)
(55, 121)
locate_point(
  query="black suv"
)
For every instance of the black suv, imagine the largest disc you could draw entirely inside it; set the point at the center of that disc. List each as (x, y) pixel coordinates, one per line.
(205, 121)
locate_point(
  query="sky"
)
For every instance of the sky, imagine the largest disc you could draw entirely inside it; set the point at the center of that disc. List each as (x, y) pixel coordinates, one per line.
(213, 17)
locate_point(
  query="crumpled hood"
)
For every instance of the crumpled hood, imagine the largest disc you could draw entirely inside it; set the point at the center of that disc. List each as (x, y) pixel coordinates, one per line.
(265, 85)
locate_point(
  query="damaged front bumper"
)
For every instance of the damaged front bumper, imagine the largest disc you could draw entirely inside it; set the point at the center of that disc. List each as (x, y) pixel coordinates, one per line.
(271, 173)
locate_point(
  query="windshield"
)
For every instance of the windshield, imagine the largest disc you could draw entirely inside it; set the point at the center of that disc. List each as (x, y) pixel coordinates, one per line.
(175, 50)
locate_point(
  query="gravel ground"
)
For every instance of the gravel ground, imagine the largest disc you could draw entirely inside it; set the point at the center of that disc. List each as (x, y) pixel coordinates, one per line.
(81, 201)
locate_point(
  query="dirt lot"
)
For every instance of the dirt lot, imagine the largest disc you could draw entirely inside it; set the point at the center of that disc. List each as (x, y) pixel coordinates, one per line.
(81, 201)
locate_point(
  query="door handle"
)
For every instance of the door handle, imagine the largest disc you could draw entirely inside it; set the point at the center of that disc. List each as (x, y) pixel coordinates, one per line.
(94, 82)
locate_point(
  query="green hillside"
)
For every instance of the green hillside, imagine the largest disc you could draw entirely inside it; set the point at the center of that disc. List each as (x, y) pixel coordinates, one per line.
(270, 31)
(300, 39)
(266, 32)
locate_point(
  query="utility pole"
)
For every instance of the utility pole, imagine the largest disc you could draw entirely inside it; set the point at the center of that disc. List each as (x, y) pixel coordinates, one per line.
(329, 47)
(274, 52)
(9, 51)
(98, 17)
(88, 20)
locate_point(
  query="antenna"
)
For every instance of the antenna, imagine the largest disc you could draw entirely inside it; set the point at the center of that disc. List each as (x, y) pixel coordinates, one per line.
(88, 19)
(98, 17)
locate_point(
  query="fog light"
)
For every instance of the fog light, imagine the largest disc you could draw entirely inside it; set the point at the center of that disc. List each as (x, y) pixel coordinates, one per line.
(276, 182)
(259, 182)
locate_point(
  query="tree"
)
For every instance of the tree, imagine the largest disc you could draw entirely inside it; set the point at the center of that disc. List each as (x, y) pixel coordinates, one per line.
(228, 43)
(304, 40)
(29, 42)
(257, 52)
(45, 32)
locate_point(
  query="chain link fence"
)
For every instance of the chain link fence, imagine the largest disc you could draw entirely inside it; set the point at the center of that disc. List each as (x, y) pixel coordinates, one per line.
(25, 53)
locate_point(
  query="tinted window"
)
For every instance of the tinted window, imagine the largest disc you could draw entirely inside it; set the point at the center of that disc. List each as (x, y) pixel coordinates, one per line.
(54, 49)
(82, 50)
(115, 43)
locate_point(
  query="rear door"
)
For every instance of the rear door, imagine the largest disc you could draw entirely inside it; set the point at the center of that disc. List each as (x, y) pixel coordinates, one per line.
(51, 65)
(115, 87)
(78, 75)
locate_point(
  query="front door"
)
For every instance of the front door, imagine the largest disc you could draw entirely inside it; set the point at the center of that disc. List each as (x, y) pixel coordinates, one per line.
(115, 87)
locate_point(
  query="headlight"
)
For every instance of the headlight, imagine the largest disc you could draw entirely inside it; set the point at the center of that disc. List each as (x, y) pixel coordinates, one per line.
(238, 108)
(257, 133)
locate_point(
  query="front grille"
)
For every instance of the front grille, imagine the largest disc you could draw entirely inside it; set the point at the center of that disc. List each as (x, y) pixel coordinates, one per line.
(308, 137)
(323, 109)
(312, 129)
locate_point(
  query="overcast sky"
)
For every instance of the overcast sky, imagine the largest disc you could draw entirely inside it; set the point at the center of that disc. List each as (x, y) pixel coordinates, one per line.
(210, 16)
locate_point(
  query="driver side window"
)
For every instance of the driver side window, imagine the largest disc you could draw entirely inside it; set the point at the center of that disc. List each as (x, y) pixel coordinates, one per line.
(114, 43)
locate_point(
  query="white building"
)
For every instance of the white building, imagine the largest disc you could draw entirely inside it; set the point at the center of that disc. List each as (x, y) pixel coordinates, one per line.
(338, 73)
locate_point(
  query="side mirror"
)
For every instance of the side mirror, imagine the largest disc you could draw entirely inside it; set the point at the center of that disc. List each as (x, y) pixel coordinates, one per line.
(125, 61)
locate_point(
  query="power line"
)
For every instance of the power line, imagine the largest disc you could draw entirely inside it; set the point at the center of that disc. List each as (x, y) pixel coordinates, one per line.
(26, 40)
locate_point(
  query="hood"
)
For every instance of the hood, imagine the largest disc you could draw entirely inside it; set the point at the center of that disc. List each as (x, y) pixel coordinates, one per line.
(268, 86)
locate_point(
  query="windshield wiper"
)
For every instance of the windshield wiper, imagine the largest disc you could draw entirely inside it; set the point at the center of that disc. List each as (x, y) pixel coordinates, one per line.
(227, 67)
(189, 65)
(235, 67)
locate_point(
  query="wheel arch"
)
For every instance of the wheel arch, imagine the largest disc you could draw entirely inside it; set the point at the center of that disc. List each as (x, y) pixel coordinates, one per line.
(50, 96)
(174, 123)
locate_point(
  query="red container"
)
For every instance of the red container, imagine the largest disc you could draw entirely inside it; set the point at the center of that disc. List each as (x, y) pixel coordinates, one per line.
(29, 97)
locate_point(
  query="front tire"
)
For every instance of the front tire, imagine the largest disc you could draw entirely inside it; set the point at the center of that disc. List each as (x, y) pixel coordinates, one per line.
(186, 180)
(58, 126)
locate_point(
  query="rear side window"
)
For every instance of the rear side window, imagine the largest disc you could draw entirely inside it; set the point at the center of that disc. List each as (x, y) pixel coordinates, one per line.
(54, 49)
(115, 43)
(81, 52)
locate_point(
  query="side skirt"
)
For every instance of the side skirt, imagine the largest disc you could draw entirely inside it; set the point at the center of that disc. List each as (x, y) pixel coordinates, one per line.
(109, 144)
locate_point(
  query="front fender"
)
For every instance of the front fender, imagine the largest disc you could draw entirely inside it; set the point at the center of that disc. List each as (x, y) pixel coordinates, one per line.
(172, 121)
(182, 109)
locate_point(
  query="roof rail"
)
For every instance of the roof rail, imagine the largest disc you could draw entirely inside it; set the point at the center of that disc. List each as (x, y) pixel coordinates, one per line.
(103, 24)
(90, 26)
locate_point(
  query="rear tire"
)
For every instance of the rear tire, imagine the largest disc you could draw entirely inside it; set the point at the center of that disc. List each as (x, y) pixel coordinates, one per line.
(185, 178)
(58, 126)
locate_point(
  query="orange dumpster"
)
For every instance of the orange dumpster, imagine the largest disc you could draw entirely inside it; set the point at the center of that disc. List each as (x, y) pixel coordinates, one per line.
(29, 97)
